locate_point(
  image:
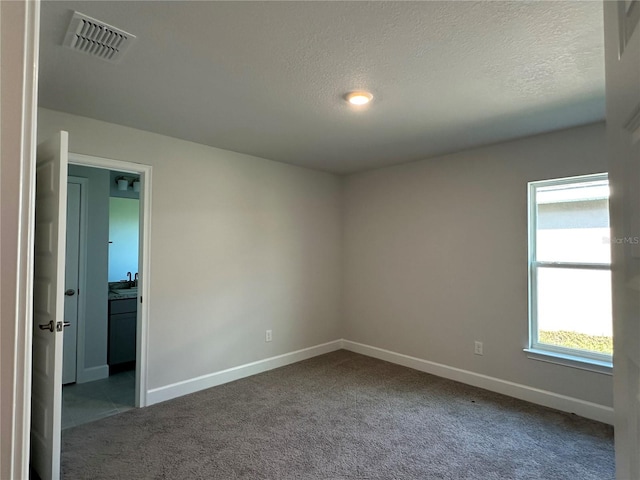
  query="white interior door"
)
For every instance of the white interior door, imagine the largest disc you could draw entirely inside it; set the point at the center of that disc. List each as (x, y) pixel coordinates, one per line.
(72, 282)
(48, 305)
(622, 58)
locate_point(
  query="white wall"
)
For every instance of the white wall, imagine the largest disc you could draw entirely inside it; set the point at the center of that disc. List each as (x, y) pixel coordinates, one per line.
(238, 245)
(436, 257)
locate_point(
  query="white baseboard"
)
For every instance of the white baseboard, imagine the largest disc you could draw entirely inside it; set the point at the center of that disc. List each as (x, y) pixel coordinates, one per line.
(203, 382)
(564, 403)
(92, 373)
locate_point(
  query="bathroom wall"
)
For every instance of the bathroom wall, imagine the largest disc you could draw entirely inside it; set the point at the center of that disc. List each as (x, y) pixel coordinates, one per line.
(95, 321)
(123, 237)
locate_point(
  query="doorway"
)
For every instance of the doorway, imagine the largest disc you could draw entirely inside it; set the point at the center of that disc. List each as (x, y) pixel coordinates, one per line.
(102, 250)
(137, 294)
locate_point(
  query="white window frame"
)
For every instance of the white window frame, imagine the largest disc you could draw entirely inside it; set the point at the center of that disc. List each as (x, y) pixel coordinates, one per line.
(541, 351)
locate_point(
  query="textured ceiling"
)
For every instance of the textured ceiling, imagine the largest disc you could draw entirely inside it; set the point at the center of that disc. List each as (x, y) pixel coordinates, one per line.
(267, 78)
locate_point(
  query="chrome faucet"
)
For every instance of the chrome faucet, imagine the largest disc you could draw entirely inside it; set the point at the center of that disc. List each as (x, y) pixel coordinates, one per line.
(135, 279)
(129, 276)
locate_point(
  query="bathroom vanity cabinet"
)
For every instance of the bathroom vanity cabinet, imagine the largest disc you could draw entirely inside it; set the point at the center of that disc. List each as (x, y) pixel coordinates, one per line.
(122, 333)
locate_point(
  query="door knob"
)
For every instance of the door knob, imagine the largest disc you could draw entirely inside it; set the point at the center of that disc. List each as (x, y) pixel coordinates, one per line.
(51, 326)
(70, 293)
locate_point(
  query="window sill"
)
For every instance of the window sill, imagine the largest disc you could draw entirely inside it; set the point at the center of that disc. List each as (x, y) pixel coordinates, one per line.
(580, 363)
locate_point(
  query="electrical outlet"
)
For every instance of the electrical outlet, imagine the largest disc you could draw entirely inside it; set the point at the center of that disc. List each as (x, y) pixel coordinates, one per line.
(268, 336)
(478, 348)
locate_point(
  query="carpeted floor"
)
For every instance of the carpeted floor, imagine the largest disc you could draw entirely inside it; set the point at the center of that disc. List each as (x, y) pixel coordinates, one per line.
(341, 416)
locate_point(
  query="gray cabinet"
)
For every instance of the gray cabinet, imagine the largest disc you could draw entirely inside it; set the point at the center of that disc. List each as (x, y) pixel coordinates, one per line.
(122, 331)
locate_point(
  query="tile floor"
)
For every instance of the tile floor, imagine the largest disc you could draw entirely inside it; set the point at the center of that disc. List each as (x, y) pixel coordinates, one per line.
(87, 402)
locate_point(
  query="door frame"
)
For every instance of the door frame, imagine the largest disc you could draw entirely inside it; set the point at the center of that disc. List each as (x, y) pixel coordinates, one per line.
(144, 259)
(20, 33)
(82, 271)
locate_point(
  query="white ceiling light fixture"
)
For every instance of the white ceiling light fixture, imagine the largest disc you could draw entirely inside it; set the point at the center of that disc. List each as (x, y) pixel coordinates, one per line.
(358, 98)
(124, 183)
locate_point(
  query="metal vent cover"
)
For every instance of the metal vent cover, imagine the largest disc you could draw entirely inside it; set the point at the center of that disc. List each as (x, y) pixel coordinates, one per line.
(96, 38)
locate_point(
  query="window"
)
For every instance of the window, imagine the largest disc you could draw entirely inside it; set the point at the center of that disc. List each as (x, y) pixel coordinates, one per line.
(570, 269)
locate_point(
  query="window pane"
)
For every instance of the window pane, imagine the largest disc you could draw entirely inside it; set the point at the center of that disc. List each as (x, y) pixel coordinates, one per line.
(573, 223)
(574, 309)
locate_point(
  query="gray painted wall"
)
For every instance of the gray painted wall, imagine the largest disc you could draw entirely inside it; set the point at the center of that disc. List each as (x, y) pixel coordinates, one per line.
(436, 257)
(96, 293)
(434, 254)
(245, 245)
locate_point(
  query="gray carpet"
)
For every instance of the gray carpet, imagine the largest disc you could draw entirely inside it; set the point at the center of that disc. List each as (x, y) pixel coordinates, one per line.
(341, 416)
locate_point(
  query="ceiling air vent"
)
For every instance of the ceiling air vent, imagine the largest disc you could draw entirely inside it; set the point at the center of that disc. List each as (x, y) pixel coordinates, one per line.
(88, 35)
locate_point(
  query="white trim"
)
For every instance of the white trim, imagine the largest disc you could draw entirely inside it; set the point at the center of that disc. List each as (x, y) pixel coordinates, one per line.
(144, 255)
(82, 274)
(581, 363)
(91, 374)
(203, 382)
(145, 172)
(564, 403)
(628, 19)
(19, 439)
(534, 266)
(633, 125)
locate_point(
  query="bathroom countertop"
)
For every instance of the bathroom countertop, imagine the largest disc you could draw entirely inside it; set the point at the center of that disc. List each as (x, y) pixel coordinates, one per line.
(121, 296)
(122, 290)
